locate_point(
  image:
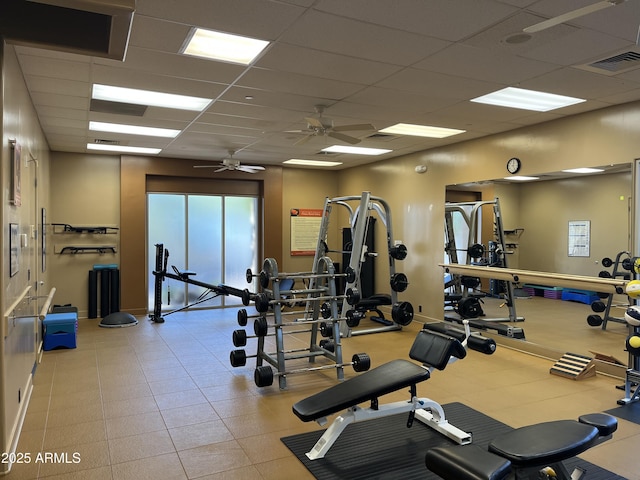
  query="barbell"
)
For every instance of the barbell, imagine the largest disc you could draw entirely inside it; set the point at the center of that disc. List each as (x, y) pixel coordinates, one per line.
(474, 251)
(263, 375)
(263, 301)
(264, 277)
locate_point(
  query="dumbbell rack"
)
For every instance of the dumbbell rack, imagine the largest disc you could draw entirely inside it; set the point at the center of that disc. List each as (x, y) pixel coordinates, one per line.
(621, 269)
(402, 312)
(323, 292)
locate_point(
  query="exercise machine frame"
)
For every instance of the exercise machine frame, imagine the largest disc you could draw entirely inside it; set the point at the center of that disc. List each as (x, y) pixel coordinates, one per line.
(359, 224)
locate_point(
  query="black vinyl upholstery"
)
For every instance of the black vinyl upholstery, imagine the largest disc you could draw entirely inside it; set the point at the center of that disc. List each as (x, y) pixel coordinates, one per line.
(435, 349)
(544, 443)
(367, 386)
(466, 462)
(429, 348)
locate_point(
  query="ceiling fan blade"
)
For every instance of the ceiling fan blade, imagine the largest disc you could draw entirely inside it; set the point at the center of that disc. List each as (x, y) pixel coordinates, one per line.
(303, 140)
(344, 138)
(222, 169)
(359, 126)
(314, 122)
(253, 167)
(580, 12)
(205, 166)
(246, 169)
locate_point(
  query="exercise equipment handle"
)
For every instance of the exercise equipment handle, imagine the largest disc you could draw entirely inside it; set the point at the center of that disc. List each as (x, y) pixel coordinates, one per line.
(481, 344)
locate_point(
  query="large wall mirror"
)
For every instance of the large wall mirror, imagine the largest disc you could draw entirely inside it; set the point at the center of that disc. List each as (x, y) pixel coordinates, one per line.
(540, 218)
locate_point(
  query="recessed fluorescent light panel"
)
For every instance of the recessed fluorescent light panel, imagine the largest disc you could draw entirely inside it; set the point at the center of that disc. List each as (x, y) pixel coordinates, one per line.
(584, 170)
(421, 130)
(527, 99)
(222, 46)
(123, 149)
(311, 163)
(521, 178)
(147, 97)
(356, 150)
(133, 129)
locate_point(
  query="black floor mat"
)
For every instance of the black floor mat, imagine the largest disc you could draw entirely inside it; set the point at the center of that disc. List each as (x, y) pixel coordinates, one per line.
(630, 412)
(386, 449)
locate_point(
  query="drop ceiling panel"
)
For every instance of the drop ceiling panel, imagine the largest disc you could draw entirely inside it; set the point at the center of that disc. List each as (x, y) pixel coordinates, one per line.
(130, 78)
(489, 65)
(360, 40)
(577, 47)
(578, 83)
(180, 66)
(55, 68)
(254, 18)
(447, 86)
(458, 20)
(317, 63)
(61, 101)
(304, 85)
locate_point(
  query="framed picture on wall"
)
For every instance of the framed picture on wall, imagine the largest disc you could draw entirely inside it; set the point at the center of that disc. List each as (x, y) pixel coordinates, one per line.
(14, 249)
(16, 174)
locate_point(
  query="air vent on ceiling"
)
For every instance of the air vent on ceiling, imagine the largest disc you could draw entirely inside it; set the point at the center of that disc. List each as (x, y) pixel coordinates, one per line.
(381, 136)
(102, 141)
(622, 61)
(118, 108)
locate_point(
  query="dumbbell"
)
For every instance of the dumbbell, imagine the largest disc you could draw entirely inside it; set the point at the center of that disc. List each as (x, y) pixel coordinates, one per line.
(264, 374)
(263, 302)
(264, 277)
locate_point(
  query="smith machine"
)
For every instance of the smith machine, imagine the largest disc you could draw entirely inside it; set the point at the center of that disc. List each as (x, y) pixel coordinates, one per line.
(359, 210)
(463, 292)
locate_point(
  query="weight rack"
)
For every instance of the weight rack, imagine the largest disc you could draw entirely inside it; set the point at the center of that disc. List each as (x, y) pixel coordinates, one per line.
(322, 292)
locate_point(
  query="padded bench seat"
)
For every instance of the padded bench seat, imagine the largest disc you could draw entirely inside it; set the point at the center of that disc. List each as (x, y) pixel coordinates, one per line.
(367, 386)
(545, 443)
(467, 462)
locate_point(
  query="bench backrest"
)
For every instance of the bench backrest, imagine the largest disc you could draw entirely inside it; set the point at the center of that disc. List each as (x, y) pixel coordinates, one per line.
(434, 349)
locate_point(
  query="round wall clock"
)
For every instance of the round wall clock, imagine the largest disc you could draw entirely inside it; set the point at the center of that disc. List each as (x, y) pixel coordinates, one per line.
(513, 165)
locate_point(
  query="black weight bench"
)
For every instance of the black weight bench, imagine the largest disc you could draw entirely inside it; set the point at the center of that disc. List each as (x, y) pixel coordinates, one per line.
(524, 452)
(372, 304)
(433, 349)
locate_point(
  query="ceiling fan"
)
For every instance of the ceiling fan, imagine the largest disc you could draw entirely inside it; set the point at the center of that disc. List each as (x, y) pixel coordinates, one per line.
(231, 163)
(573, 14)
(323, 126)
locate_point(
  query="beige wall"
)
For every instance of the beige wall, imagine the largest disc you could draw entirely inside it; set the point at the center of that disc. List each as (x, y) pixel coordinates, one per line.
(605, 136)
(21, 333)
(87, 193)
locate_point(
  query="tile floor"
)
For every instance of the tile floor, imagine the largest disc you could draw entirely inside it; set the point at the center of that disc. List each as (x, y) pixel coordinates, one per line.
(161, 401)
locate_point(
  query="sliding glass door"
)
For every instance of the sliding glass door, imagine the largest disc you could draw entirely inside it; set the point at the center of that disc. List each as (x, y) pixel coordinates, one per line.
(215, 236)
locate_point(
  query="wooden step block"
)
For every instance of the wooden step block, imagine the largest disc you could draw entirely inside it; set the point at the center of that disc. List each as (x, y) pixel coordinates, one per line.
(574, 366)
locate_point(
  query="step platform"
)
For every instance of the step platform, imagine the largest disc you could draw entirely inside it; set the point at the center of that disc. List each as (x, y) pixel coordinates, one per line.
(59, 330)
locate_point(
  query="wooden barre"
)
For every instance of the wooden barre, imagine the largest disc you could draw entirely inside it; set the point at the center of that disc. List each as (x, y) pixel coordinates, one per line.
(598, 284)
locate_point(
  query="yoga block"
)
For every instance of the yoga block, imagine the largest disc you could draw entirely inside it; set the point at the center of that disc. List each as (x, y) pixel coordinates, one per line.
(59, 330)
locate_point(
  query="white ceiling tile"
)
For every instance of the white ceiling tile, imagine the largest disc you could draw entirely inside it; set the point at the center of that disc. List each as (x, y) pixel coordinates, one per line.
(361, 40)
